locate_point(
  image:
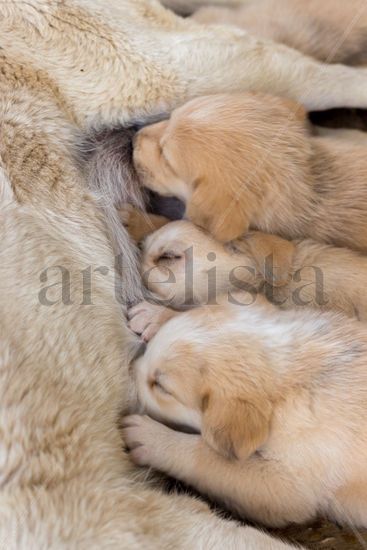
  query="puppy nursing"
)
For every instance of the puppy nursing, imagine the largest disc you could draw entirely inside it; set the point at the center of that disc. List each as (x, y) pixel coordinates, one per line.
(275, 401)
(250, 161)
(280, 401)
(184, 265)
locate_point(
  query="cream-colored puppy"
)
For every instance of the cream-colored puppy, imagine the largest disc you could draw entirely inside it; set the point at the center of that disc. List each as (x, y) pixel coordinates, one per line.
(313, 27)
(243, 161)
(65, 349)
(279, 403)
(185, 266)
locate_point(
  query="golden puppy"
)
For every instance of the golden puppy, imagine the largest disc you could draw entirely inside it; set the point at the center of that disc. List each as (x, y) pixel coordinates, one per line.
(186, 266)
(279, 399)
(246, 160)
(315, 28)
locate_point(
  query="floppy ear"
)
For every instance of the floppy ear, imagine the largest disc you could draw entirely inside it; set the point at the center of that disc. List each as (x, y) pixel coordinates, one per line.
(235, 429)
(296, 109)
(218, 210)
(272, 254)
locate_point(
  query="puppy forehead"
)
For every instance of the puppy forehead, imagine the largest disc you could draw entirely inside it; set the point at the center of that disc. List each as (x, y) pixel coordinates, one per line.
(200, 107)
(154, 130)
(166, 235)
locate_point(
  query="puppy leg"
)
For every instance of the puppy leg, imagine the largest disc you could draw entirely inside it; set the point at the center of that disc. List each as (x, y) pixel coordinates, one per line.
(257, 489)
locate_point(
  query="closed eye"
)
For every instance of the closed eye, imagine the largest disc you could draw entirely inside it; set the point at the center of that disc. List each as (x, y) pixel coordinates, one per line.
(168, 257)
(158, 385)
(163, 154)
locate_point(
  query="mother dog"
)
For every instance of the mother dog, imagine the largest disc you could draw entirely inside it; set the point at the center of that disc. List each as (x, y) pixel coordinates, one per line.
(68, 67)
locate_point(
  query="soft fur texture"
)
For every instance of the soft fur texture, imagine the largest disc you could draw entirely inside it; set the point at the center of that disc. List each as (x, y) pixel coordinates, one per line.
(279, 400)
(250, 160)
(69, 69)
(186, 7)
(334, 31)
(184, 265)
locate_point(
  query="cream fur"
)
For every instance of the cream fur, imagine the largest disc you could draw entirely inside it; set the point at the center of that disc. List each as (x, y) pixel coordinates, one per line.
(182, 263)
(67, 67)
(279, 403)
(332, 30)
(243, 161)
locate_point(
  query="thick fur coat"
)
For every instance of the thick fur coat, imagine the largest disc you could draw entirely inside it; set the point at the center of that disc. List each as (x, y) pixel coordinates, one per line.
(70, 69)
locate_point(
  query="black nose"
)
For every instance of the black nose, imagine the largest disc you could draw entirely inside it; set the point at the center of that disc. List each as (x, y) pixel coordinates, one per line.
(169, 207)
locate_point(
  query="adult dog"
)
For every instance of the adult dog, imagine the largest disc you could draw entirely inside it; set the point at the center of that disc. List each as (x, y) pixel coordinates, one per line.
(67, 68)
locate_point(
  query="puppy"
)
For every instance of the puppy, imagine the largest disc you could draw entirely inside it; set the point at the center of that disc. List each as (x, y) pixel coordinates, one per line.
(249, 161)
(315, 28)
(186, 266)
(279, 403)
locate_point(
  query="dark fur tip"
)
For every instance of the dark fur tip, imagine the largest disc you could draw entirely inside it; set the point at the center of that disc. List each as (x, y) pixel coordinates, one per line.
(139, 352)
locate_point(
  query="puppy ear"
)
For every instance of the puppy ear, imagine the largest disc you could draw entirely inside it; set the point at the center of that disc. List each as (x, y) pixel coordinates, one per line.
(235, 429)
(296, 109)
(219, 211)
(273, 256)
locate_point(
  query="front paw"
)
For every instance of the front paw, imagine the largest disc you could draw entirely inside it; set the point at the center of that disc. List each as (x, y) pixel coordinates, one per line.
(145, 439)
(146, 319)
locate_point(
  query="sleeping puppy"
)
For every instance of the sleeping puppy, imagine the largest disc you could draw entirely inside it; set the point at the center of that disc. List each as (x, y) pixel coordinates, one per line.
(315, 28)
(249, 161)
(184, 266)
(279, 403)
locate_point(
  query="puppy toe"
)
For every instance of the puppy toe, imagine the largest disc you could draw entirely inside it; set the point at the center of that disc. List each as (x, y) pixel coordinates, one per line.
(139, 439)
(150, 331)
(140, 456)
(138, 324)
(130, 420)
(135, 310)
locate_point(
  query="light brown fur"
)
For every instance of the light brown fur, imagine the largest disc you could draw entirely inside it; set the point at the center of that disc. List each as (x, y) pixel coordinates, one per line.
(67, 69)
(332, 30)
(184, 266)
(278, 400)
(245, 161)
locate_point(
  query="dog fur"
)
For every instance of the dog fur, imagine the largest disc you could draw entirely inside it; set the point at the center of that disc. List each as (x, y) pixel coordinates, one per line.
(333, 31)
(185, 7)
(185, 266)
(278, 403)
(68, 71)
(243, 161)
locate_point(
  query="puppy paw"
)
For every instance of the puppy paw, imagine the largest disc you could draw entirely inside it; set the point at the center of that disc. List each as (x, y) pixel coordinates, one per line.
(146, 319)
(134, 220)
(145, 439)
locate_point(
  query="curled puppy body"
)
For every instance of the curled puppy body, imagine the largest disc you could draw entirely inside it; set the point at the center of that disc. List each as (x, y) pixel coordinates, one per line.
(279, 401)
(315, 28)
(249, 160)
(186, 266)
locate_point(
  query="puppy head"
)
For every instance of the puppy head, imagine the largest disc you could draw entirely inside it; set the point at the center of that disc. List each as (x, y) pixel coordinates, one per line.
(184, 382)
(184, 265)
(223, 155)
(158, 161)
